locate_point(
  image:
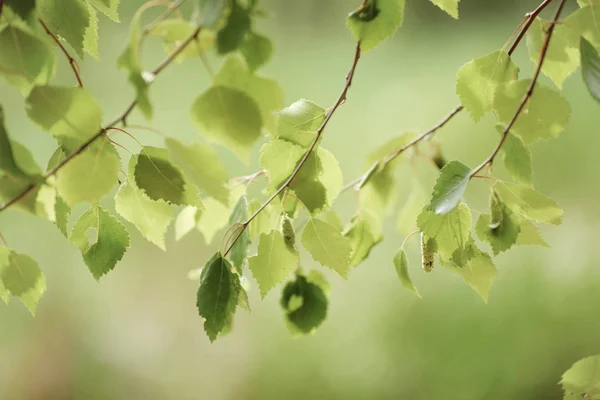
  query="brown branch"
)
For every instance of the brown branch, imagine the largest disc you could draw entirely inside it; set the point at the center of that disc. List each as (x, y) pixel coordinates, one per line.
(341, 99)
(71, 60)
(528, 93)
(168, 60)
(359, 182)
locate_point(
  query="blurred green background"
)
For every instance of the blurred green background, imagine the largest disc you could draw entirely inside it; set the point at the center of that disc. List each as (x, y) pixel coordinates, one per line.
(137, 334)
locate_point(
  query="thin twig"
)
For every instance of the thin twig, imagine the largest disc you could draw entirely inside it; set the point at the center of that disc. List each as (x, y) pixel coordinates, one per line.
(101, 132)
(341, 99)
(524, 26)
(528, 93)
(72, 61)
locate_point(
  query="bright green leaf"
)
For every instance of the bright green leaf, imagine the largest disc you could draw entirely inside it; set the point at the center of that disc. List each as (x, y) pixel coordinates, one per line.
(451, 231)
(257, 50)
(529, 202)
(583, 379)
(363, 234)
(300, 121)
(110, 8)
(479, 273)
(66, 18)
(501, 229)
(530, 235)
(450, 6)
(407, 217)
(327, 246)
(214, 217)
(90, 40)
(375, 21)
(449, 187)
(20, 276)
(401, 265)
(517, 158)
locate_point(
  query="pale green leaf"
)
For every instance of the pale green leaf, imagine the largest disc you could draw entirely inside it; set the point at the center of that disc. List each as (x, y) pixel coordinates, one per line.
(257, 50)
(363, 234)
(150, 217)
(300, 121)
(377, 194)
(229, 117)
(186, 221)
(263, 222)
(304, 304)
(20, 276)
(451, 231)
(69, 112)
(450, 6)
(217, 296)
(479, 272)
(375, 21)
(401, 265)
(274, 261)
(517, 158)
(110, 8)
(407, 217)
(530, 235)
(545, 115)
(214, 217)
(383, 151)
(449, 187)
(202, 166)
(111, 240)
(66, 18)
(529, 203)
(583, 379)
(327, 246)
(501, 229)
(90, 40)
(478, 80)
(175, 30)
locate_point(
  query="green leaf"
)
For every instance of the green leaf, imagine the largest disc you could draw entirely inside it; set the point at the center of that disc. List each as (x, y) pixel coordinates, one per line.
(363, 234)
(562, 55)
(89, 175)
(90, 40)
(407, 217)
(279, 158)
(590, 68)
(112, 240)
(300, 121)
(174, 31)
(450, 6)
(273, 263)
(304, 304)
(156, 175)
(23, 8)
(218, 295)
(449, 187)
(231, 36)
(375, 21)
(529, 203)
(8, 164)
(583, 379)
(263, 222)
(150, 217)
(20, 276)
(186, 221)
(451, 231)
(202, 166)
(239, 251)
(545, 115)
(478, 80)
(67, 112)
(479, 272)
(257, 50)
(110, 8)
(235, 74)
(501, 229)
(530, 235)
(24, 58)
(517, 158)
(229, 117)
(211, 12)
(67, 19)
(327, 246)
(383, 151)
(377, 194)
(401, 265)
(214, 217)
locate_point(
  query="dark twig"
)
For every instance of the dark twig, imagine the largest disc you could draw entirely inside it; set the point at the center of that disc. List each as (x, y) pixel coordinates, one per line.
(72, 61)
(528, 93)
(341, 99)
(101, 132)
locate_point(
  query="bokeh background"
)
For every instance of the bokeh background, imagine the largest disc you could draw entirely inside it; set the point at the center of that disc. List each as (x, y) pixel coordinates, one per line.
(137, 335)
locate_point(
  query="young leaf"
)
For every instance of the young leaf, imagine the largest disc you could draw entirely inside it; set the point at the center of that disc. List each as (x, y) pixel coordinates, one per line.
(478, 80)
(174, 31)
(112, 240)
(299, 122)
(273, 263)
(229, 117)
(327, 246)
(363, 235)
(582, 380)
(530, 235)
(90, 39)
(236, 74)
(66, 18)
(231, 36)
(67, 112)
(401, 265)
(407, 217)
(202, 166)
(529, 202)
(375, 21)
(150, 217)
(186, 221)
(517, 158)
(450, 6)
(90, 175)
(449, 187)
(239, 251)
(545, 115)
(479, 272)
(376, 195)
(304, 304)
(218, 295)
(257, 50)
(502, 229)
(387, 148)
(451, 231)
(214, 217)
(20, 276)
(110, 8)
(590, 68)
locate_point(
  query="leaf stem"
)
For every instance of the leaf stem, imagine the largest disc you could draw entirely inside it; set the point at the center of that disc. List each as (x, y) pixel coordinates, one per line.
(528, 93)
(71, 60)
(168, 60)
(341, 99)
